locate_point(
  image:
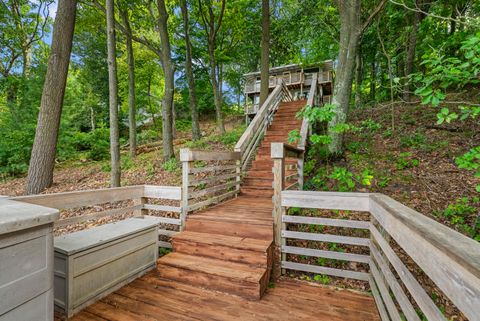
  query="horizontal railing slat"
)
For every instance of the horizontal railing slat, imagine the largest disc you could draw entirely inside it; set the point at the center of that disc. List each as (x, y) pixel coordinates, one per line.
(212, 200)
(212, 168)
(163, 208)
(165, 220)
(378, 300)
(326, 254)
(75, 199)
(212, 179)
(168, 233)
(163, 192)
(387, 299)
(325, 270)
(423, 300)
(400, 296)
(95, 216)
(419, 236)
(326, 238)
(188, 155)
(326, 221)
(212, 189)
(326, 200)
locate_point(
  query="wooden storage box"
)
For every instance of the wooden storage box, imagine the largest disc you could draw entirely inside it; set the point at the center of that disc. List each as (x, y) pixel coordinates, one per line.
(92, 263)
(26, 261)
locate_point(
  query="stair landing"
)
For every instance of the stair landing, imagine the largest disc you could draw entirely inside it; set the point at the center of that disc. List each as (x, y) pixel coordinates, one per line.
(154, 298)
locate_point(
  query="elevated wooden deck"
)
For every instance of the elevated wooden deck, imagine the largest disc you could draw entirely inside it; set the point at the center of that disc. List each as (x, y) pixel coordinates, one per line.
(154, 298)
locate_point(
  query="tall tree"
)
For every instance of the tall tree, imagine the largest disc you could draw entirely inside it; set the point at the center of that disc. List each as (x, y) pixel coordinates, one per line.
(42, 160)
(211, 25)
(265, 51)
(113, 95)
(132, 122)
(351, 32)
(189, 71)
(412, 45)
(167, 66)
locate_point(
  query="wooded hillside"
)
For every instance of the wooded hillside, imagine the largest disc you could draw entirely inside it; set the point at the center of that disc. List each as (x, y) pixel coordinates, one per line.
(404, 118)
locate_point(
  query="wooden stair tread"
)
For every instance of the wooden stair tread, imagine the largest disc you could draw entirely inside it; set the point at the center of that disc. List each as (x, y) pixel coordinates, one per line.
(236, 242)
(235, 271)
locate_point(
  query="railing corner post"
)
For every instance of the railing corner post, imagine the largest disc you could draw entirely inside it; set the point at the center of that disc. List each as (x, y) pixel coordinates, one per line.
(185, 159)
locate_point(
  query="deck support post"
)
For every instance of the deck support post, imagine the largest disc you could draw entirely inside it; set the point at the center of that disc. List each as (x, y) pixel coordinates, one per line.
(278, 156)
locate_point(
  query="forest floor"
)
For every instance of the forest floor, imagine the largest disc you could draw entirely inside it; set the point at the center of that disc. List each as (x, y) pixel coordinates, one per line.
(147, 167)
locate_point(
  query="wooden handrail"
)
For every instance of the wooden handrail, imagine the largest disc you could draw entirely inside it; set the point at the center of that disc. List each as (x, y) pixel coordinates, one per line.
(139, 194)
(250, 138)
(450, 259)
(305, 123)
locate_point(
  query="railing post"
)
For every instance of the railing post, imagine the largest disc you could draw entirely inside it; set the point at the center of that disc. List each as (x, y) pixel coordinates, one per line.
(278, 156)
(300, 170)
(185, 159)
(141, 211)
(238, 171)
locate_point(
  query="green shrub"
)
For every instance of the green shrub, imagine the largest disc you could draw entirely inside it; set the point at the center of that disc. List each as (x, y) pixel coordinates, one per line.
(414, 140)
(460, 212)
(148, 136)
(405, 160)
(171, 165)
(183, 125)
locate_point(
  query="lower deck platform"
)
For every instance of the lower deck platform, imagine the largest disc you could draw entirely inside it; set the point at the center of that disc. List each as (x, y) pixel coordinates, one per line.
(153, 298)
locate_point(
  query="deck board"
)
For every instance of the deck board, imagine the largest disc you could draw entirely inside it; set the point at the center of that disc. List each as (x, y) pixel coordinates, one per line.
(153, 298)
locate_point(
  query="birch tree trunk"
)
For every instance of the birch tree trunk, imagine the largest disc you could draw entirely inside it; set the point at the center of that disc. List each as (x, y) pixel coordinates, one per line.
(42, 160)
(265, 44)
(192, 94)
(167, 66)
(113, 95)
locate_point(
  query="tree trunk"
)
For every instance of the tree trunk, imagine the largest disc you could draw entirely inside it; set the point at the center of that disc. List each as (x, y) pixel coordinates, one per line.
(373, 81)
(215, 86)
(132, 122)
(113, 95)
(349, 38)
(265, 44)
(192, 94)
(211, 27)
(167, 66)
(409, 61)
(358, 77)
(42, 160)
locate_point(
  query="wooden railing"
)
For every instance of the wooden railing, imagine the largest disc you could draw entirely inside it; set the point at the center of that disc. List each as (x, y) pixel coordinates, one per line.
(289, 78)
(304, 131)
(252, 136)
(208, 178)
(449, 259)
(81, 207)
(284, 179)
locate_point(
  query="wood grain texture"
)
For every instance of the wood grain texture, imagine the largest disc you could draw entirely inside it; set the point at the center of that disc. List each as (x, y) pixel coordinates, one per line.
(153, 298)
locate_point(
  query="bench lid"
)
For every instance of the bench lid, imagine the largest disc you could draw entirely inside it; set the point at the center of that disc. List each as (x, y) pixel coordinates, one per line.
(16, 216)
(86, 239)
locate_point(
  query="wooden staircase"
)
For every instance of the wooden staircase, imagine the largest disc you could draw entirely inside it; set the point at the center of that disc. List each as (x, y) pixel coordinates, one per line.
(229, 247)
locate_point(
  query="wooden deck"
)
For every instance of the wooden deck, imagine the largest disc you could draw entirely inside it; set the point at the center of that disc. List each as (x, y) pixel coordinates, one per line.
(154, 298)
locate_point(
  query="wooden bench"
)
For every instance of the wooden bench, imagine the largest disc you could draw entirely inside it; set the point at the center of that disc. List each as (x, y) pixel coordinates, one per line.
(92, 263)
